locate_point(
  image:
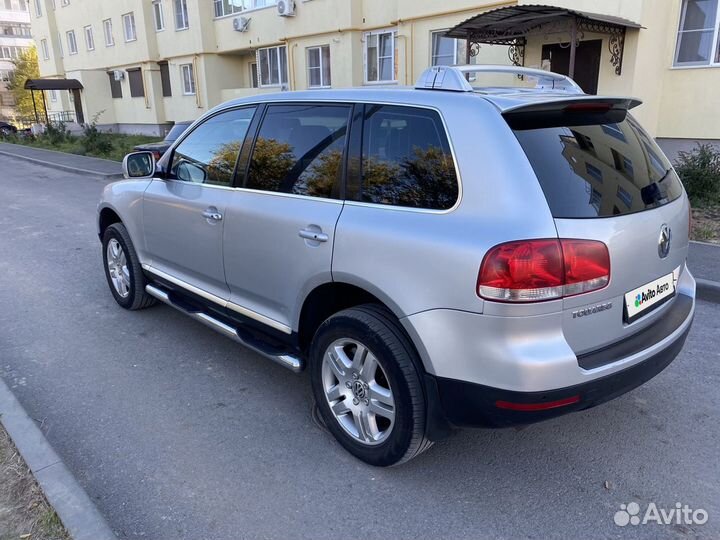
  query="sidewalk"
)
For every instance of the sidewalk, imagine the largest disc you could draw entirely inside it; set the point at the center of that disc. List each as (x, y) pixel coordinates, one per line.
(704, 261)
(63, 161)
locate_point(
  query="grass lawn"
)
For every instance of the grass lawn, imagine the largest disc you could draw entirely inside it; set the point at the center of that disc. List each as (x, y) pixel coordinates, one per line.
(120, 144)
(706, 224)
(24, 512)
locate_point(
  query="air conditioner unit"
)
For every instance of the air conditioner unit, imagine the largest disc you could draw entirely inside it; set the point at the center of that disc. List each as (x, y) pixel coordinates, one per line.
(241, 24)
(286, 8)
(119, 74)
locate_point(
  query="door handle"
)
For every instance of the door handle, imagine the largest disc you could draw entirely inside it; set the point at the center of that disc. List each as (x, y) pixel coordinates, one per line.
(313, 235)
(214, 215)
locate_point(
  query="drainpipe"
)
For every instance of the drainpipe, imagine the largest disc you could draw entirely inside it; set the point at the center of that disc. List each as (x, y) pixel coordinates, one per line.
(197, 86)
(573, 46)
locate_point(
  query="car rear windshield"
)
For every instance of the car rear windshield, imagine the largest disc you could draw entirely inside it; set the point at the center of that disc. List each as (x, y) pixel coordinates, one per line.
(599, 169)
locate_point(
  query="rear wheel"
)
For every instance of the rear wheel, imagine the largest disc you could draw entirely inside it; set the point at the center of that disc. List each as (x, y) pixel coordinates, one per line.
(367, 386)
(123, 270)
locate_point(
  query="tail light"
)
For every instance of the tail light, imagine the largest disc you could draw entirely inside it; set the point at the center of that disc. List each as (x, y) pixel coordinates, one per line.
(537, 270)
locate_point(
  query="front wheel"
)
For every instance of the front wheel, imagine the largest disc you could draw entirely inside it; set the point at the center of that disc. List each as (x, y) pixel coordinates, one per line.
(123, 270)
(367, 387)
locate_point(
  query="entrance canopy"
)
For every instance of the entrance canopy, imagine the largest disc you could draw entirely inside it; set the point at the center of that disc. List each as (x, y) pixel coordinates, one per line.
(512, 25)
(53, 84)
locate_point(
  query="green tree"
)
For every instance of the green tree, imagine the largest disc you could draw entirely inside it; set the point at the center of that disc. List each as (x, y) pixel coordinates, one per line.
(26, 67)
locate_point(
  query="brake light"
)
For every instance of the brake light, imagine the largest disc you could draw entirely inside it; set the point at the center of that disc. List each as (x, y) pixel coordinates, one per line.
(589, 107)
(537, 270)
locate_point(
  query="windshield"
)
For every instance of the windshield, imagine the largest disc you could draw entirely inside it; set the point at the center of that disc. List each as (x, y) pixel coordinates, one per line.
(599, 170)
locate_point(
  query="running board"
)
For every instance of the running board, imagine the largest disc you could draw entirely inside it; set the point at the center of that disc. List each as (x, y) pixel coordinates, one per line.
(289, 361)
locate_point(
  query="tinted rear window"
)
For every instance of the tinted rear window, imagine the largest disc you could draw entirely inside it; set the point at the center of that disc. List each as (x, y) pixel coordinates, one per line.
(599, 170)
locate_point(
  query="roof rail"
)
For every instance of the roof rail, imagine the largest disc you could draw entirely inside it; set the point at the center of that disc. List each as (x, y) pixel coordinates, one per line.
(452, 78)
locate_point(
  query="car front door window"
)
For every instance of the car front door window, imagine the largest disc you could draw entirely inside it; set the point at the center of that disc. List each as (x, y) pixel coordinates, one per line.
(208, 154)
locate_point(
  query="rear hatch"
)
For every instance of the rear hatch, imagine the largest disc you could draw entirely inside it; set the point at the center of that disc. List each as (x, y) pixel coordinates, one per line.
(605, 179)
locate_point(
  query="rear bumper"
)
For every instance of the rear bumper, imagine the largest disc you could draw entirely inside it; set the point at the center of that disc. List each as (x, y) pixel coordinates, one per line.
(465, 403)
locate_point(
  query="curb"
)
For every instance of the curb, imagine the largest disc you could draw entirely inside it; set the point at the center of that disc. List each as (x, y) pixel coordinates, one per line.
(66, 168)
(700, 242)
(708, 290)
(72, 504)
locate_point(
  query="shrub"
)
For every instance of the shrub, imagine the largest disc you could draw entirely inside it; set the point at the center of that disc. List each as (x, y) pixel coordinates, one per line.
(95, 141)
(699, 170)
(57, 133)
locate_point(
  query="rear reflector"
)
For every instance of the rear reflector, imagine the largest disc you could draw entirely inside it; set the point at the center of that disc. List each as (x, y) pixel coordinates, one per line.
(537, 270)
(527, 407)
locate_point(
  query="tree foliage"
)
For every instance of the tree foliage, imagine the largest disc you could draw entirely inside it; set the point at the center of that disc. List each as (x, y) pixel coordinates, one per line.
(26, 67)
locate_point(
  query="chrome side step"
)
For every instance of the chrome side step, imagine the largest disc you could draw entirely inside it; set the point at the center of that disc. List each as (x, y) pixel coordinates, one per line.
(289, 361)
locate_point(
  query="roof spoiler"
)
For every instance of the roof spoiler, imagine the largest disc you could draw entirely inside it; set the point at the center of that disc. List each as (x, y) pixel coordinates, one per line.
(570, 111)
(453, 78)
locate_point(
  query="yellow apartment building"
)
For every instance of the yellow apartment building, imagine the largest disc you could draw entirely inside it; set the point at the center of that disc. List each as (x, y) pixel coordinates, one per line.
(14, 38)
(144, 64)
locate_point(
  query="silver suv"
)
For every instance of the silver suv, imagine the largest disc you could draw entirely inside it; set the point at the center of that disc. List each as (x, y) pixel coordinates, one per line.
(437, 256)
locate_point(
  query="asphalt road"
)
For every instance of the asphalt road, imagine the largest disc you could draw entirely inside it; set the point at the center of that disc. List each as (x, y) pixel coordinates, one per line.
(178, 433)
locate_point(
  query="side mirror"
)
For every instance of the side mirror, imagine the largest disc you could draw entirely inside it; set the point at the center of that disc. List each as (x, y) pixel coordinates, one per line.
(139, 165)
(189, 172)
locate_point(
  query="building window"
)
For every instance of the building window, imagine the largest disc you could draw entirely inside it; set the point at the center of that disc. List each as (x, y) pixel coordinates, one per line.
(318, 61)
(181, 15)
(227, 7)
(107, 30)
(158, 15)
(380, 57)
(53, 95)
(447, 51)
(5, 75)
(45, 49)
(129, 27)
(115, 85)
(165, 79)
(135, 79)
(89, 39)
(188, 79)
(253, 75)
(38, 8)
(697, 40)
(272, 66)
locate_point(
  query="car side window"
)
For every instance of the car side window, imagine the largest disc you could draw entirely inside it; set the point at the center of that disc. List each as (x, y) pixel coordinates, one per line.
(208, 154)
(406, 159)
(299, 149)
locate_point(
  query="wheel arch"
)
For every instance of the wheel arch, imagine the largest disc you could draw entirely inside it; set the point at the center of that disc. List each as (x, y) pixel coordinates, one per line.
(327, 299)
(106, 217)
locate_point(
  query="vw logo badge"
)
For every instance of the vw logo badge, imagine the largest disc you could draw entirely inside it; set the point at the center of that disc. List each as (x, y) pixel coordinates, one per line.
(664, 241)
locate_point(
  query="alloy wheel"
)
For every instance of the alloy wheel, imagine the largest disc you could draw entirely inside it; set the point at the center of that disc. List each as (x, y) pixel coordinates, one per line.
(118, 268)
(358, 391)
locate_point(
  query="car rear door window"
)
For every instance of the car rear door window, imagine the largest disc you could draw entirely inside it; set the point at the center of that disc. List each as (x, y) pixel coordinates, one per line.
(299, 149)
(406, 159)
(208, 154)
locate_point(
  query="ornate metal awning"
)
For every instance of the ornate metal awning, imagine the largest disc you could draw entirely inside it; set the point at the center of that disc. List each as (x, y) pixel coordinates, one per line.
(512, 25)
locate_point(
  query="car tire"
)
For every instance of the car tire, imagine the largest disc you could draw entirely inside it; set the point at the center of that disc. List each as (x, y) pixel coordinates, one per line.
(123, 270)
(345, 391)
